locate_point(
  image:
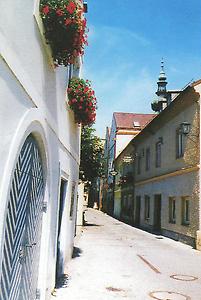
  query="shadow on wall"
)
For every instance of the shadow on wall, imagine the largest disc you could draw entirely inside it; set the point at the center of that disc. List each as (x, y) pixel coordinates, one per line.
(90, 224)
(62, 281)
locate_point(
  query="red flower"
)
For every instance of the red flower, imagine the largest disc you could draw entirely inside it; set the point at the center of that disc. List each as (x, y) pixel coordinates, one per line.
(71, 7)
(46, 9)
(59, 12)
(84, 108)
(68, 21)
(84, 22)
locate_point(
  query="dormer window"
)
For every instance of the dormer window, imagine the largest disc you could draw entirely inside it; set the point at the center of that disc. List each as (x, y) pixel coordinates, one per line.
(136, 124)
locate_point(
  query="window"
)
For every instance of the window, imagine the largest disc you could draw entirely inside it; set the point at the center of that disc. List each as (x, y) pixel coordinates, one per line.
(136, 124)
(172, 210)
(147, 208)
(139, 164)
(185, 211)
(72, 200)
(179, 144)
(127, 205)
(158, 154)
(147, 159)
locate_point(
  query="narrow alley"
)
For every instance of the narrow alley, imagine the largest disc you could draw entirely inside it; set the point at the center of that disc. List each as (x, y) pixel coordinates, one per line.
(113, 260)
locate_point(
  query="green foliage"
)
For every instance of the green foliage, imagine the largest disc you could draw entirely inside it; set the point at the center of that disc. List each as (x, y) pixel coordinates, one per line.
(91, 165)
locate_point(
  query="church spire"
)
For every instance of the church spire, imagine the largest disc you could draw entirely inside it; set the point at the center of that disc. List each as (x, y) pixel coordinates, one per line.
(162, 82)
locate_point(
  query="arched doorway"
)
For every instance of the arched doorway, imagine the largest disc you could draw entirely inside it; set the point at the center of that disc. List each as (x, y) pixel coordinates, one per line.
(22, 237)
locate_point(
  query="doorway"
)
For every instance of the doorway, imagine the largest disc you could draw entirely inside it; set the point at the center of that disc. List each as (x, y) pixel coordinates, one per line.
(21, 249)
(60, 258)
(137, 210)
(157, 213)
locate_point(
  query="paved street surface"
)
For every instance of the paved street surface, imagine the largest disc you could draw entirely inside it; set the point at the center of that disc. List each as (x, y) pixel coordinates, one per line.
(116, 261)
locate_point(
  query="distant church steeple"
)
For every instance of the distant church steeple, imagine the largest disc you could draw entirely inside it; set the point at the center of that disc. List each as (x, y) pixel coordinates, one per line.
(162, 82)
(163, 97)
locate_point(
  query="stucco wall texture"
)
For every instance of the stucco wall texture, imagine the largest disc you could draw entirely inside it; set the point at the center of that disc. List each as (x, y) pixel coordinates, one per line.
(33, 100)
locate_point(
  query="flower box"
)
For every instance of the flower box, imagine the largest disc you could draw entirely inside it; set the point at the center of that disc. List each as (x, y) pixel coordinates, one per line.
(65, 29)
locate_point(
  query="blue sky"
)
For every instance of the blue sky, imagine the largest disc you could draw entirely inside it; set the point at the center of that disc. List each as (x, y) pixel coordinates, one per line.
(127, 39)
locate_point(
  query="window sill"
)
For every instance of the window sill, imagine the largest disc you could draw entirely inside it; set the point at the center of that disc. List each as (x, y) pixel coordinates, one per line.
(185, 223)
(179, 157)
(172, 222)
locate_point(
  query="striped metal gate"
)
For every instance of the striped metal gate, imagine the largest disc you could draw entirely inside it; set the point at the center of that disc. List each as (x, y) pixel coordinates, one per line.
(23, 226)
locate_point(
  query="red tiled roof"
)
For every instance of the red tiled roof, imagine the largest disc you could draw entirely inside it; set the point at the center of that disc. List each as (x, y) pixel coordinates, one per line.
(126, 120)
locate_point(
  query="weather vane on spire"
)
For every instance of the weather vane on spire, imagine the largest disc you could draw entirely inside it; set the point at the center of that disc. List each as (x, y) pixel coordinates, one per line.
(162, 63)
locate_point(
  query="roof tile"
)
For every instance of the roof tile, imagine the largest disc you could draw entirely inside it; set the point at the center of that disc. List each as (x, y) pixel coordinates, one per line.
(126, 120)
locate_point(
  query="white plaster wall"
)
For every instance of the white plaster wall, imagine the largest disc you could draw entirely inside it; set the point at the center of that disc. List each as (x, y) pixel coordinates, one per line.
(80, 205)
(33, 97)
(122, 141)
(111, 149)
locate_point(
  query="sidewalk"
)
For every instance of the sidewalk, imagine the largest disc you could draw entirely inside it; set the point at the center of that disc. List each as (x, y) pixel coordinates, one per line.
(116, 261)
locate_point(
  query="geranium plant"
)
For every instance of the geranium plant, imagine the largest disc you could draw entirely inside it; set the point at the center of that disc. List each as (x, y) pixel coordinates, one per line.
(65, 29)
(82, 101)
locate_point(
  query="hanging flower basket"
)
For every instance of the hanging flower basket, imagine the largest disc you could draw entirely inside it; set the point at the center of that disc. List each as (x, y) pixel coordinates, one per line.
(65, 29)
(82, 101)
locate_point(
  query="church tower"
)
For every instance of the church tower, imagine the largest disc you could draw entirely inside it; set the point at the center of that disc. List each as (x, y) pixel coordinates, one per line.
(162, 82)
(162, 101)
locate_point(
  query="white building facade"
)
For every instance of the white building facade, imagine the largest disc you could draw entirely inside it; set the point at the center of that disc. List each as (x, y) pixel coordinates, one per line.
(39, 159)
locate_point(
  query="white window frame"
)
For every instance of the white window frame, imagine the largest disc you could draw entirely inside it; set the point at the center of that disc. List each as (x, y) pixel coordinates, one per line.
(185, 210)
(139, 162)
(172, 210)
(147, 159)
(179, 144)
(158, 154)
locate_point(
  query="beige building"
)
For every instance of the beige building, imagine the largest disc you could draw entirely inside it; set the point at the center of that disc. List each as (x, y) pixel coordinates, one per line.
(124, 127)
(124, 185)
(167, 160)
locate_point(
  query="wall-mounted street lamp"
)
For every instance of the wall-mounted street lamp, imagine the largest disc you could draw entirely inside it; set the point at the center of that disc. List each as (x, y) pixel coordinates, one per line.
(113, 172)
(185, 127)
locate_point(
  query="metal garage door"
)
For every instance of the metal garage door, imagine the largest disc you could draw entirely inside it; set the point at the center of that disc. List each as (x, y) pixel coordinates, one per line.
(23, 226)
